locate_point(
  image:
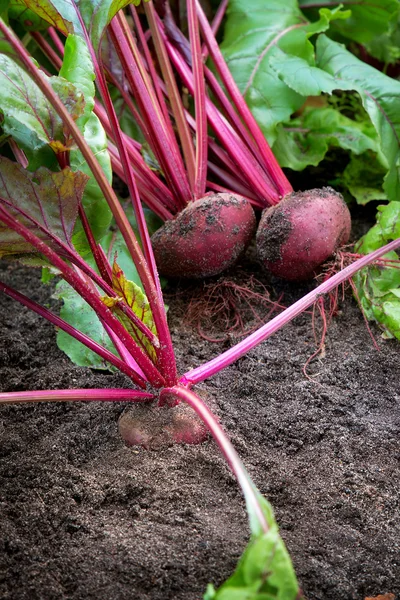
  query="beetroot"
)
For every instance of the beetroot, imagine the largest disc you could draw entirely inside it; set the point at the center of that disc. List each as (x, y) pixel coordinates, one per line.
(153, 427)
(296, 236)
(206, 238)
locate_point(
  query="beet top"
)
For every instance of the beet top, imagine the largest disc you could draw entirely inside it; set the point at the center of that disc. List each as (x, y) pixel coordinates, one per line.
(206, 238)
(296, 236)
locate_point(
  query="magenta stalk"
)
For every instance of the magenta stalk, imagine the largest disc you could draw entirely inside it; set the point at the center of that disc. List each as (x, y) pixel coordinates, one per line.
(233, 144)
(79, 395)
(88, 295)
(199, 102)
(229, 452)
(173, 92)
(163, 143)
(69, 253)
(75, 333)
(145, 275)
(270, 163)
(227, 358)
(215, 25)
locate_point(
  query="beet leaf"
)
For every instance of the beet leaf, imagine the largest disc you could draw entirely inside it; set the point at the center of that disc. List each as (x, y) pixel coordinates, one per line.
(378, 287)
(29, 117)
(46, 202)
(338, 69)
(77, 68)
(307, 139)
(367, 19)
(132, 294)
(250, 36)
(69, 16)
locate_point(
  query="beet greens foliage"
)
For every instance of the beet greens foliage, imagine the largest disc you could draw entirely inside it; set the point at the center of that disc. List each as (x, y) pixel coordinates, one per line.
(61, 140)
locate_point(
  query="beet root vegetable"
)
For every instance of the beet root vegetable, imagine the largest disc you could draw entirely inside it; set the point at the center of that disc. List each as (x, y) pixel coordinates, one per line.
(153, 427)
(297, 235)
(206, 238)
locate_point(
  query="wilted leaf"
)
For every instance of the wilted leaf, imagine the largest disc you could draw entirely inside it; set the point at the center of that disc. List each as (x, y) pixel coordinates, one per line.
(305, 140)
(363, 177)
(45, 202)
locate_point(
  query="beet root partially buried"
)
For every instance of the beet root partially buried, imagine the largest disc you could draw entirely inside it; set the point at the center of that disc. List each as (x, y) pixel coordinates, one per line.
(206, 238)
(153, 427)
(297, 235)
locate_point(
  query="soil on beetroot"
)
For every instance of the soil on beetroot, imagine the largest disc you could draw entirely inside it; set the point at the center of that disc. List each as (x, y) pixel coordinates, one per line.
(84, 517)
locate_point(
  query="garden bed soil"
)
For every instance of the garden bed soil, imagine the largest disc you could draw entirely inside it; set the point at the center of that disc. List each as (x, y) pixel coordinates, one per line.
(85, 517)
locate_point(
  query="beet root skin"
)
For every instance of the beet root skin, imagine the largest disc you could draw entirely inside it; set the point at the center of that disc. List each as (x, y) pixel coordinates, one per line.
(153, 427)
(206, 238)
(300, 233)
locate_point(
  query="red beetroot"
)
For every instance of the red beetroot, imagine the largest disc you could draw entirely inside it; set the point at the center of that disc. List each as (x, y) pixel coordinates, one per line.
(206, 238)
(296, 236)
(154, 427)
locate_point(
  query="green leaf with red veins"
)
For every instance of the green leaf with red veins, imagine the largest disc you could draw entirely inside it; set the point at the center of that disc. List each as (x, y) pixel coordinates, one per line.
(29, 117)
(64, 15)
(30, 21)
(45, 202)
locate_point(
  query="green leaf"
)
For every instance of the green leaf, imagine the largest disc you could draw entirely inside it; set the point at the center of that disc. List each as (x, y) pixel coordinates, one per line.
(133, 295)
(386, 47)
(249, 40)
(338, 69)
(29, 117)
(265, 571)
(380, 96)
(79, 314)
(45, 202)
(77, 68)
(64, 15)
(306, 139)
(363, 177)
(96, 207)
(378, 287)
(367, 18)
(30, 21)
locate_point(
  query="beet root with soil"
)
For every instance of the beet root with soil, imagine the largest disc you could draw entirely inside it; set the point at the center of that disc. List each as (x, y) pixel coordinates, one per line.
(295, 237)
(206, 238)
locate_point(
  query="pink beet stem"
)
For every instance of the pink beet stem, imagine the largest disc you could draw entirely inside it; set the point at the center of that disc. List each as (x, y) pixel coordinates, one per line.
(270, 162)
(79, 395)
(229, 452)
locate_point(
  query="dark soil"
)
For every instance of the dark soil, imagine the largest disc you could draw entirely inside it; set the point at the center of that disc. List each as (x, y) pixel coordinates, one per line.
(84, 517)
